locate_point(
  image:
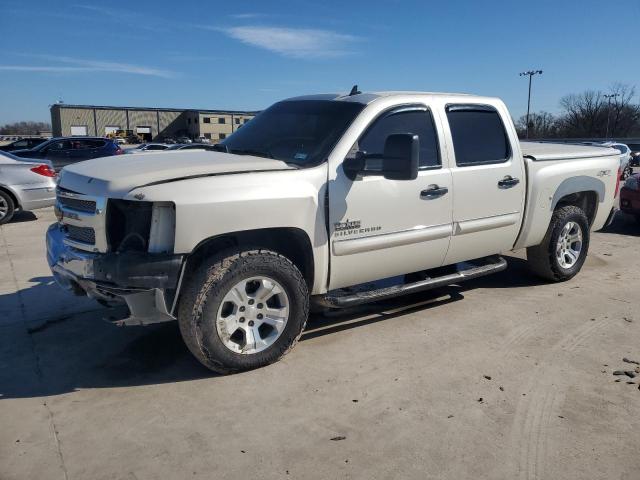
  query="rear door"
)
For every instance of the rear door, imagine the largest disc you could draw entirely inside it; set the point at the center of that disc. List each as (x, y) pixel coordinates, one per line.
(488, 180)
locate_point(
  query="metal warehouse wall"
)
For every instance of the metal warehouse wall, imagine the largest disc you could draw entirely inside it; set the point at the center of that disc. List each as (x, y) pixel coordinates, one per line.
(171, 124)
(76, 117)
(144, 118)
(162, 123)
(109, 118)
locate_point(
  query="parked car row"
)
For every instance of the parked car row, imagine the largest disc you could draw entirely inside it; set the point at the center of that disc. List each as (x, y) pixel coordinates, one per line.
(25, 184)
(156, 147)
(64, 151)
(22, 143)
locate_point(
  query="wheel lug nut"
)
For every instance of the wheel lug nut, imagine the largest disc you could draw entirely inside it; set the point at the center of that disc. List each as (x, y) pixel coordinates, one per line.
(251, 302)
(241, 319)
(242, 309)
(259, 305)
(251, 323)
(259, 316)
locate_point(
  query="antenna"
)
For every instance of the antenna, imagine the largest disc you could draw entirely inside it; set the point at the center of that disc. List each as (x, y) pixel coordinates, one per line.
(354, 91)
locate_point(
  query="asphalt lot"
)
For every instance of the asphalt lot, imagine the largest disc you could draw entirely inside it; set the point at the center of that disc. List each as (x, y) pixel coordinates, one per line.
(392, 390)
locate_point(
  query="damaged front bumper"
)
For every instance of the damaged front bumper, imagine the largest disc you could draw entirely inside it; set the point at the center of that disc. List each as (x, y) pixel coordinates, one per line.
(148, 283)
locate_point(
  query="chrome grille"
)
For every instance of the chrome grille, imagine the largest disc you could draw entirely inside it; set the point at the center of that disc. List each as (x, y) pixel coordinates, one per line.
(78, 204)
(83, 218)
(81, 234)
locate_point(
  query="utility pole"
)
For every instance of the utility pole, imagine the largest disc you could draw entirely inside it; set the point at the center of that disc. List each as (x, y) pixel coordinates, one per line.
(530, 74)
(609, 96)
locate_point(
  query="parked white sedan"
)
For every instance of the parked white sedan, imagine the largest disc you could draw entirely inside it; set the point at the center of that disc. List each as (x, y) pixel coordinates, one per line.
(25, 184)
(147, 147)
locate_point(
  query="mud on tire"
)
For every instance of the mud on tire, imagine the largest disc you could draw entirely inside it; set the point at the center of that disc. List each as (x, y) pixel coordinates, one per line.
(543, 258)
(209, 285)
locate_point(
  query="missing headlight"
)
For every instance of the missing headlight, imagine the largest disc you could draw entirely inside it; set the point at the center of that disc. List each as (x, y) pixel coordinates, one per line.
(128, 225)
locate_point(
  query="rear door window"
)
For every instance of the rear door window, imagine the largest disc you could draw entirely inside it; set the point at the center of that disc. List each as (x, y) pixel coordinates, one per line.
(479, 136)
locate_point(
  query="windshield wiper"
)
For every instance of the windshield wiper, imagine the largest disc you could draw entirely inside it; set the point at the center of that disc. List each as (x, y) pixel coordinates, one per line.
(219, 147)
(248, 151)
(256, 153)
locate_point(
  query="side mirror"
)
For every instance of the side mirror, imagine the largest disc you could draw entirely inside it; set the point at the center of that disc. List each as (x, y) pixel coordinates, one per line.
(352, 166)
(401, 156)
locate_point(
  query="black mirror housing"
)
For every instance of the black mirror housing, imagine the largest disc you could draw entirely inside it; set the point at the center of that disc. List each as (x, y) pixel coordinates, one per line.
(352, 166)
(401, 156)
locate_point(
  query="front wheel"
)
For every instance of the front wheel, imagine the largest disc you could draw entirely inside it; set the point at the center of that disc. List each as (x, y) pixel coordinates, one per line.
(564, 248)
(244, 310)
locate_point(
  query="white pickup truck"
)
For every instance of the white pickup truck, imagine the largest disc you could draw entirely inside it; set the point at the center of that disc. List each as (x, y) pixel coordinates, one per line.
(332, 200)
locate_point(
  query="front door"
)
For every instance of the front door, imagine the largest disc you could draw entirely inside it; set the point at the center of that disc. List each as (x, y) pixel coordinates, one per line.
(381, 228)
(489, 180)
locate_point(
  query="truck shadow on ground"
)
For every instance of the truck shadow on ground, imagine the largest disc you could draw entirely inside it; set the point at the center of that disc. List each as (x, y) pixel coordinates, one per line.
(623, 224)
(80, 351)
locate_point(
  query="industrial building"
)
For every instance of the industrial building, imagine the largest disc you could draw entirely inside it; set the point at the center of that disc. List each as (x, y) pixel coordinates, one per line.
(151, 124)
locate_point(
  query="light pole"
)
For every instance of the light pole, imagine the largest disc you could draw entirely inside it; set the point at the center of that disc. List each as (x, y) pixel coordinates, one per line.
(530, 74)
(609, 96)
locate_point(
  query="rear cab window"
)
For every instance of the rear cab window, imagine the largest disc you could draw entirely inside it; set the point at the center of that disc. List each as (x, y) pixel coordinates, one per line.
(478, 134)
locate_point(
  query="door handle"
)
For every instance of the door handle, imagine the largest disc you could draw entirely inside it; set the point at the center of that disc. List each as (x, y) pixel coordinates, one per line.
(434, 191)
(508, 182)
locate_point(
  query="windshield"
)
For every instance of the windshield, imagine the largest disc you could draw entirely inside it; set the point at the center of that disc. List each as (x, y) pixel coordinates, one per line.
(299, 132)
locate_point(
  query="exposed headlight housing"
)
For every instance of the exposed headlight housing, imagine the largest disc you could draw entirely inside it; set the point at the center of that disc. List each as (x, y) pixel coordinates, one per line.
(140, 226)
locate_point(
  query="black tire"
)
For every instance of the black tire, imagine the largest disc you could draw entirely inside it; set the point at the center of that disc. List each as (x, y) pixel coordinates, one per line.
(542, 258)
(6, 199)
(626, 173)
(206, 289)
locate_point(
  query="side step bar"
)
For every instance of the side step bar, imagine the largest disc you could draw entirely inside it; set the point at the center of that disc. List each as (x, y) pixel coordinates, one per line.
(333, 300)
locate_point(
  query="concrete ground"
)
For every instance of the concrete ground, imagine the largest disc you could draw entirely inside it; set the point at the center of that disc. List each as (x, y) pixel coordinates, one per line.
(505, 377)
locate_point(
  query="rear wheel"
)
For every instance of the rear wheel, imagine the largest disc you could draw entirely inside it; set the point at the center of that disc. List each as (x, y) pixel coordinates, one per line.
(564, 248)
(7, 207)
(244, 310)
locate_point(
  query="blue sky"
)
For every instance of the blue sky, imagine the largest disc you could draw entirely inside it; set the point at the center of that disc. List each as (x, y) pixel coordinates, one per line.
(246, 55)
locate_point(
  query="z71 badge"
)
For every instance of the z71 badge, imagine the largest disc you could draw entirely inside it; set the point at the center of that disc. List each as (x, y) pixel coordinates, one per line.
(352, 227)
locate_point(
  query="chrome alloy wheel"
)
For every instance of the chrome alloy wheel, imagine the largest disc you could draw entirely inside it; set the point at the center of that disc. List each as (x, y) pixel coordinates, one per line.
(252, 315)
(4, 208)
(569, 245)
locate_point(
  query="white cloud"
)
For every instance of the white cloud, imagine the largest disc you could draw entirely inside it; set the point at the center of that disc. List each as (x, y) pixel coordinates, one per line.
(248, 15)
(294, 42)
(81, 65)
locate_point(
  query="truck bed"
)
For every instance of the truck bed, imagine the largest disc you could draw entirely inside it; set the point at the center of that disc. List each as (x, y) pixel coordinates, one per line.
(542, 151)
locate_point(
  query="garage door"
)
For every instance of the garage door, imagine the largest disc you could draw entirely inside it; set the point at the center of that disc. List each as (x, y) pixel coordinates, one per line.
(143, 129)
(78, 130)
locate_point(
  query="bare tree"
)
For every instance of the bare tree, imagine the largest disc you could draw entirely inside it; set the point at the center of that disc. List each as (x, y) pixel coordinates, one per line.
(24, 128)
(583, 115)
(586, 114)
(623, 114)
(541, 125)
